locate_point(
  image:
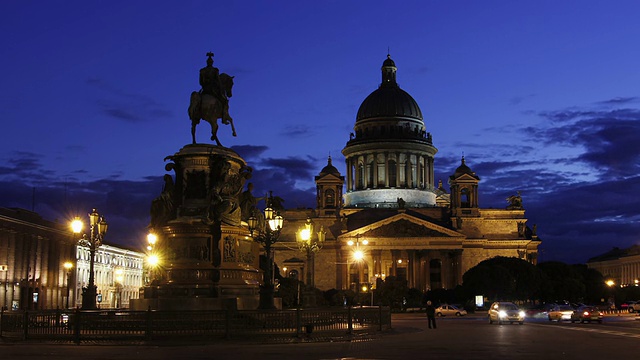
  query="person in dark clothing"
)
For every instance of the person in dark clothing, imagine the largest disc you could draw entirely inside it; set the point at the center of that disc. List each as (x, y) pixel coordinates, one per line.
(431, 315)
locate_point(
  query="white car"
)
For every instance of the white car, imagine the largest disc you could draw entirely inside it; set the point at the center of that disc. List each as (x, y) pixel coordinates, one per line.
(502, 311)
(560, 312)
(445, 310)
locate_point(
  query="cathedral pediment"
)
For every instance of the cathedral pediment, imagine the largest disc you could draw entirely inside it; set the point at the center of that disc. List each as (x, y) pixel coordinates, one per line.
(404, 226)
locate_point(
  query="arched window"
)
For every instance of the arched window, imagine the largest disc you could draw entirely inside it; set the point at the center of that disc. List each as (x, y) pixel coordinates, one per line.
(370, 167)
(393, 178)
(381, 174)
(360, 176)
(465, 198)
(330, 198)
(293, 274)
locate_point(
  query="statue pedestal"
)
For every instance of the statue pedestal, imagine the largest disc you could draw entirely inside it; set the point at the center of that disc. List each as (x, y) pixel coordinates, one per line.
(209, 260)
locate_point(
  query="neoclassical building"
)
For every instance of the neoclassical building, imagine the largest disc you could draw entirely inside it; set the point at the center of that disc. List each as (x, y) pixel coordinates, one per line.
(119, 274)
(392, 212)
(620, 265)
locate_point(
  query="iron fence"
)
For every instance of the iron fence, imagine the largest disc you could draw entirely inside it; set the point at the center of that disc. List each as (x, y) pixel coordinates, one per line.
(151, 325)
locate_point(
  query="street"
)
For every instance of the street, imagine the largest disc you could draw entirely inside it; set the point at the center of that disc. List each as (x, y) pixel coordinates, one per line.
(470, 337)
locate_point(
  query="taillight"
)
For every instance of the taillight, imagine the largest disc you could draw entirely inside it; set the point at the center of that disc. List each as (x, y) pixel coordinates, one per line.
(586, 313)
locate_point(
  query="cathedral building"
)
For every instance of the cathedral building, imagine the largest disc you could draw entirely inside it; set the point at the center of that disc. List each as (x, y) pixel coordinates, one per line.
(387, 217)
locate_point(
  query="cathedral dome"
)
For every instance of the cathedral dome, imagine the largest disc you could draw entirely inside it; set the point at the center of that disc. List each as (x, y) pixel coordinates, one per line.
(389, 100)
(463, 169)
(329, 169)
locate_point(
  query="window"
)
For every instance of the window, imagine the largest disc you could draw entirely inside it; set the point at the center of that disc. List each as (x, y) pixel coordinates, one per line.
(392, 173)
(330, 198)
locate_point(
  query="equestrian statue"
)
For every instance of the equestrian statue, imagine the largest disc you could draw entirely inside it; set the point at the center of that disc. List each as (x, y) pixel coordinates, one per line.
(212, 101)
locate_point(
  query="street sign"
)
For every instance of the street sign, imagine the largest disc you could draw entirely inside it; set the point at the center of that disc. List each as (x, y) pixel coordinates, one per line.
(4, 268)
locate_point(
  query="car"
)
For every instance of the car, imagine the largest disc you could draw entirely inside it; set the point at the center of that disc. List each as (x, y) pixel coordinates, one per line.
(446, 310)
(540, 311)
(560, 312)
(503, 311)
(627, 305)
(634, 307)
(587, 314)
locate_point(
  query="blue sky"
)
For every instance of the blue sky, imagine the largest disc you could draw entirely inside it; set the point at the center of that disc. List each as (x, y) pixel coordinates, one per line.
(540, 96)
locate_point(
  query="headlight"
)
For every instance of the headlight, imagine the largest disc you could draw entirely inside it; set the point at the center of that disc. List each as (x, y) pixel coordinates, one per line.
(502, 313)
(521, 313)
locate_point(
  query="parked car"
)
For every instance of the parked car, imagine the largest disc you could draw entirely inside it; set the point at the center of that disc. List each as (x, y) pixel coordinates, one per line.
(587, 314)
(560, 312)
(635, 306)
(450, 310)
(503, 311)
(625, 305)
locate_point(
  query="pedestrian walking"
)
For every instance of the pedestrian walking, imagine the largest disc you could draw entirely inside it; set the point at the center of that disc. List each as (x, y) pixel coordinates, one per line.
(431, 315)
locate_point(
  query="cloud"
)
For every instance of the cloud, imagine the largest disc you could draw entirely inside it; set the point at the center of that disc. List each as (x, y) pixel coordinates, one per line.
(619, 101)
(296, 167)
(248, 152)
(129, 107)
(297, 131)
(608, 139)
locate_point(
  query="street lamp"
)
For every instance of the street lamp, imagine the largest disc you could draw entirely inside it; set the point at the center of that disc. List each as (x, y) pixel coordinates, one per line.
(68, 265)
(98, 228)
(266, 233)
(358, 256)
(307, 243)
(119, 278)
(152, 257)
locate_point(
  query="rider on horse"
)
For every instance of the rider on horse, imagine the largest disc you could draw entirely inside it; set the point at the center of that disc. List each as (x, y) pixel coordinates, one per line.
(211, 85)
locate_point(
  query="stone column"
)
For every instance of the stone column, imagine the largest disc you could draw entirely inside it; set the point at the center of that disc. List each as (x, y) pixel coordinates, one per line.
(386, 169)
(375, 171)
(411, 267)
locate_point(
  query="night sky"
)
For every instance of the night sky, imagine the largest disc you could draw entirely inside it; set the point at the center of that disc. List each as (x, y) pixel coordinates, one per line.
(541, 97)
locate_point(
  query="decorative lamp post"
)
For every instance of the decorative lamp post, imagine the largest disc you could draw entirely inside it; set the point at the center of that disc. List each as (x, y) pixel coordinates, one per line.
(266, 233)
(310, 245)
(68, 265)
(98, 228)
(119, 279)
(152, 257)
(358, 256)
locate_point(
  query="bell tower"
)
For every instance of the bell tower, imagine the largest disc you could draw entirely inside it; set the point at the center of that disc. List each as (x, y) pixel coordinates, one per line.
(464, 192)
(329, 190)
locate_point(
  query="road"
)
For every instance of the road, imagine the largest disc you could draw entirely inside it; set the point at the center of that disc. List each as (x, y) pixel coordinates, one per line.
(469, 337)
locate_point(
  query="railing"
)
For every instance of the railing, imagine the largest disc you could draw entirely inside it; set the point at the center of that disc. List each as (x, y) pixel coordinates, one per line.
(151, 325)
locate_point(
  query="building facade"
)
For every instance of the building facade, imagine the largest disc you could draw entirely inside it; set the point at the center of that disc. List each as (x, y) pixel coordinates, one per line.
(119, 275)
(32, 256)
(392, 219)
(33, 276)
(620, 265)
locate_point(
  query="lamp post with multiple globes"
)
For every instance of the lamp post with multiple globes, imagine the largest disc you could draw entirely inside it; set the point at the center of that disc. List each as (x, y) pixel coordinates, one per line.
(266, 233)
(152, 257)
(358, 256)
(310, 245)
(98, 228)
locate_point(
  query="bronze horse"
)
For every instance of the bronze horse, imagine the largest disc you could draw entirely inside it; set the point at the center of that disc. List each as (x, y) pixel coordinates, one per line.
(209, 108)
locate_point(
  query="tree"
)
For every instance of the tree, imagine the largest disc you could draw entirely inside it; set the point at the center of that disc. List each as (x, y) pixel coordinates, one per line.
(503, 278)
(562, 282)
(392, 291)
